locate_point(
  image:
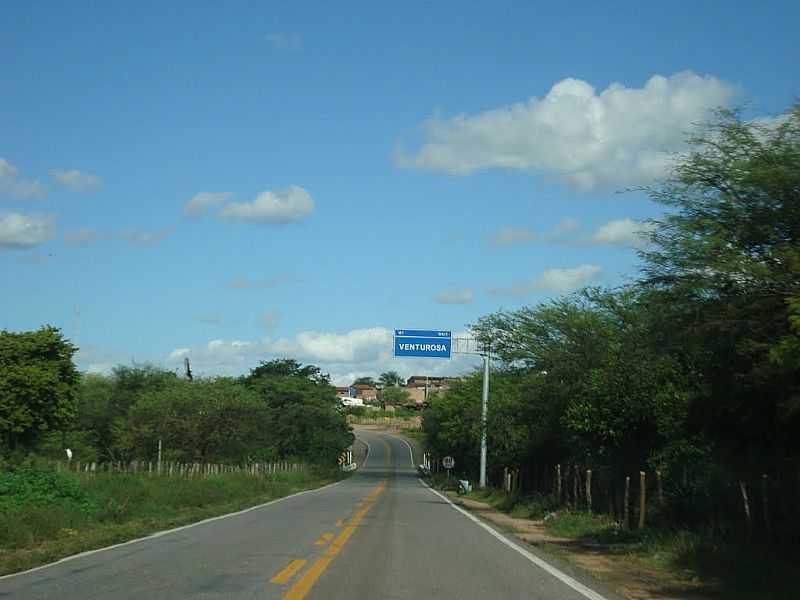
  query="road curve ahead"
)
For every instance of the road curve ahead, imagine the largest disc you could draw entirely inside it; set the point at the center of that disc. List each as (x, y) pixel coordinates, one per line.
(378, 535)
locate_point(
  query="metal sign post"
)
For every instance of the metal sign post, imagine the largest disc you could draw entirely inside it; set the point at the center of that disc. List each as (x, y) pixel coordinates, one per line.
(474, 347)
(448, 462)
(441, 344)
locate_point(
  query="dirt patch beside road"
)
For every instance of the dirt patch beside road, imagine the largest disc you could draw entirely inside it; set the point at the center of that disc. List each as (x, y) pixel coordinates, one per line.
(617, 568)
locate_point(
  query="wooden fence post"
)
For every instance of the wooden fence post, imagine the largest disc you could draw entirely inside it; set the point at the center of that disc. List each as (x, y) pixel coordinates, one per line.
(575, 476)
(642, 498)
(765, 503)
(589, 490)
(626, 509)
(659, 487)
(558, 484)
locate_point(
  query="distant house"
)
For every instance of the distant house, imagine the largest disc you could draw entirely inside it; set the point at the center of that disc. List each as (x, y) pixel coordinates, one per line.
(364, 391)
(345, 391)
(421, 387)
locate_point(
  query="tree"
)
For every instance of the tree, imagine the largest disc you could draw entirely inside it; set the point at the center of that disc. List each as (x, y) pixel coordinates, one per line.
(390, 378)
(288, 367)
(726, 262)
(365, 381)
(205, 420)
(394, 396)
(104, 401)
(38, 385)
(305, 419)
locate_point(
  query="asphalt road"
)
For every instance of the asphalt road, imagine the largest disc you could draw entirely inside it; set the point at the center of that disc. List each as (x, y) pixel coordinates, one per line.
(378, 535)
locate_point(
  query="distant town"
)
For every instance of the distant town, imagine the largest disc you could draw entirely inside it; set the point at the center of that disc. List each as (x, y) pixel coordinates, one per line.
(413, 394)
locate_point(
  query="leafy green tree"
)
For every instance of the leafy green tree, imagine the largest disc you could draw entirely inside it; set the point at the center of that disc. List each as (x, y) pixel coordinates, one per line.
(288, 367)
(216, 420)
(394, 396)
(726, 261)
(105, 401)
(390, 379)
(365, 381)
(305, 418)
(38, 385)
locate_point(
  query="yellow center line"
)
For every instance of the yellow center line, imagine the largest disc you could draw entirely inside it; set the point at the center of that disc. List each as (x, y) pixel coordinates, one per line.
(289, 572)
(326, 537)
(303, 586)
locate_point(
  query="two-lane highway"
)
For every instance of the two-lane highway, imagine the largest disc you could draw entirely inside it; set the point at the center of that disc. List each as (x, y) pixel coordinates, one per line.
(379, 534)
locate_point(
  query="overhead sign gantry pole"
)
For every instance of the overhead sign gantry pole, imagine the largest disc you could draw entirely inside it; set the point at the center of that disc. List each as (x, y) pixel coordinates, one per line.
(423, 343)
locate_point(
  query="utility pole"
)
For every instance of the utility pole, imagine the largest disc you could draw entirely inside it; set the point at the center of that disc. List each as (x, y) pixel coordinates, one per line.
(484, 412)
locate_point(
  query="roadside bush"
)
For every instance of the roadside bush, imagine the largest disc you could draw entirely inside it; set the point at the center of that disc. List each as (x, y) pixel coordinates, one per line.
(29, 486)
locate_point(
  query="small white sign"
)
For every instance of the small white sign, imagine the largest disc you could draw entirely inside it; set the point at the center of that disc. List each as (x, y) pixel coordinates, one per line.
(448, 462)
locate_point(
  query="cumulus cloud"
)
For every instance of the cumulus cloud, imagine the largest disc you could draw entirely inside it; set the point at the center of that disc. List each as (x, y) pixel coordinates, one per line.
(284, 41)
(178, 353)
(345, 356)
(19, 231)
(622, 232)
(621, 136)
(453, 297)
(76, 181)
(200, 203)
(560, 281)
(138, 237)
(14, 186)
(275, 207)
(513, 236)
(81, 237)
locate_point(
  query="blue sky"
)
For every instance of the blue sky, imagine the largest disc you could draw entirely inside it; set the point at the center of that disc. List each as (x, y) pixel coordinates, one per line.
(234, 183)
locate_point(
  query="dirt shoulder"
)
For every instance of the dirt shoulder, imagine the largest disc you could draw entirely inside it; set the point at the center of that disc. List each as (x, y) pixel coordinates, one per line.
(616, 568)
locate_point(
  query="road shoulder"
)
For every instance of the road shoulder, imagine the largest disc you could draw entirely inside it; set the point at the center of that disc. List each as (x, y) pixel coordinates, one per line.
(617, 571)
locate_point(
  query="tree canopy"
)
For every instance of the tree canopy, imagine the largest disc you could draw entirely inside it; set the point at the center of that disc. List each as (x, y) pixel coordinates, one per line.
(38, 385)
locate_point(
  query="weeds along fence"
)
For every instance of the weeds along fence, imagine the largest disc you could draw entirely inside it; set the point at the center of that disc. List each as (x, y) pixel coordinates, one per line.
(185, 470)
(398, 423)
(765, 505)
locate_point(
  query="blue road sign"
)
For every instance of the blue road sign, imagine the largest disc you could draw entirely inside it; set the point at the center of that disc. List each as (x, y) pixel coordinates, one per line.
(422, 343)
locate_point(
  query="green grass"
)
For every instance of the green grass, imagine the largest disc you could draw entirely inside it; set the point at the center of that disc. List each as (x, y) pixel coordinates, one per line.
(728, 568)
(732, 568)
(45, 516)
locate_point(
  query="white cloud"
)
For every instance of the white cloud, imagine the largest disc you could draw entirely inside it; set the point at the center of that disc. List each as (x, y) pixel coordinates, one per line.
(20, 188)
(200, 203)
(178, 353)
(358, 345)
(619, 137)
(560, 281)
(345, 356)
(76, 181)
(81, 237)
(137, 237)
(24, 231)
(512, 236)
(622, 232)
(453, 297)
(284, 41)
(277, 207)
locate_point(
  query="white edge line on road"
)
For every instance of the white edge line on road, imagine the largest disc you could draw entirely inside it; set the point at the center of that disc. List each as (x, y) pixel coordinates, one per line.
(366, 458)
(542, 564)
(158, 534)
(410, 451)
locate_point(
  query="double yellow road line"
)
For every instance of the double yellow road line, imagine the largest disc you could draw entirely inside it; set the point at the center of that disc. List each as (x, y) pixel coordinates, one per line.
(303, 586)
